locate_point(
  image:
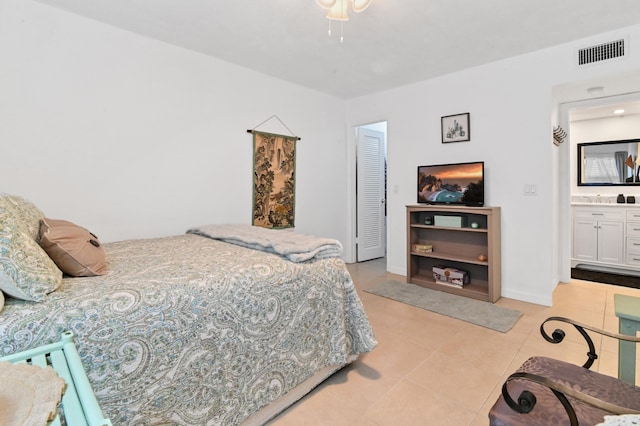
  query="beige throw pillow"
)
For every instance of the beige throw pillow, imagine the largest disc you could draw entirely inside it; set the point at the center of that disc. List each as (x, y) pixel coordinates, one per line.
(75, 250)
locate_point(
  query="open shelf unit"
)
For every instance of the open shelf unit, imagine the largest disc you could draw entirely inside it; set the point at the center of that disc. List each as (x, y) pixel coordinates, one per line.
(456, 247)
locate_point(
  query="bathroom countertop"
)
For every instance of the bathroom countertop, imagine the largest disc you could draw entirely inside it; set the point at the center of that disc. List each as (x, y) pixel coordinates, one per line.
(587, 204)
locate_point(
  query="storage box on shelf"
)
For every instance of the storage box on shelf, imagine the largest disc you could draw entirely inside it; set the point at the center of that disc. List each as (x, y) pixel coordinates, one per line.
(450, 276)
(422, 248)
(468, 239)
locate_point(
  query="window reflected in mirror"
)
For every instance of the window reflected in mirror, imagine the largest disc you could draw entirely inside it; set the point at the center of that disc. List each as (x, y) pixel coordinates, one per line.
(609, 163)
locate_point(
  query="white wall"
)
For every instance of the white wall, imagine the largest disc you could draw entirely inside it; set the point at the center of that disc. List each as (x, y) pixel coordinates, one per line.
(131, 137)
(134, 138)
(512, 109)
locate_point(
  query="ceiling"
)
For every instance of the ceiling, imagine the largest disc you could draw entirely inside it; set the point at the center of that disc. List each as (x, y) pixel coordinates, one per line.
(604, 111)
(390, 44)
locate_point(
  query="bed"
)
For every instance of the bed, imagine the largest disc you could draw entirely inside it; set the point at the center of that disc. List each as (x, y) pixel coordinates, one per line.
(187, 329)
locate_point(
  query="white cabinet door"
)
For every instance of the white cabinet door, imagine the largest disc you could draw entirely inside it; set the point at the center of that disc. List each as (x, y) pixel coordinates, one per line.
(599, 235)
(611, 242)
(585, 239)
(598, 240)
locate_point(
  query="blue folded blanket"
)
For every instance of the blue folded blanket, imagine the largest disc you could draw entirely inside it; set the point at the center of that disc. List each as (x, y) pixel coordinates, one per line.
(291, 245)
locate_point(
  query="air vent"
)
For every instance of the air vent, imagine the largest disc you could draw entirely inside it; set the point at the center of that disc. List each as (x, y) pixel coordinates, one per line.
(601, 52)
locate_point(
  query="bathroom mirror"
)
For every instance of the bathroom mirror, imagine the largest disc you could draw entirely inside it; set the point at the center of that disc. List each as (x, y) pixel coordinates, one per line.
(609, 163)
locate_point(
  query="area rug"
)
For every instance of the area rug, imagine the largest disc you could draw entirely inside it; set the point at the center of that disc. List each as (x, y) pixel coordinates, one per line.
(477, 312)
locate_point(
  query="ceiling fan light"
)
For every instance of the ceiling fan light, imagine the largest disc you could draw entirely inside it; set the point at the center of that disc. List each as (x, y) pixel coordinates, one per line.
(339, 11)
(360, 5)
(326, 4)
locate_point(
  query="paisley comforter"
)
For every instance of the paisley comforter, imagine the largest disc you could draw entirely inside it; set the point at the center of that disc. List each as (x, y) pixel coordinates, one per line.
(194, 331)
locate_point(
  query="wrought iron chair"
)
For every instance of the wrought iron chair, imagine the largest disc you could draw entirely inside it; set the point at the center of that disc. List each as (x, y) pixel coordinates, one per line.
(546, 391)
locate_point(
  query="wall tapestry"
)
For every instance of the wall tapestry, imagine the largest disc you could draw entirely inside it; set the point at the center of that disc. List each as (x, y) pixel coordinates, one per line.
(274, 164)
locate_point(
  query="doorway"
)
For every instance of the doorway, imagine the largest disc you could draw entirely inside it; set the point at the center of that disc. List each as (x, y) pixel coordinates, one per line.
(370, 191)
(572, 115)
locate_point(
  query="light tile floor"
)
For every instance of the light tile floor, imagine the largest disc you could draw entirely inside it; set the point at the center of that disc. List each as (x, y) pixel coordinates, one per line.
(430, 369)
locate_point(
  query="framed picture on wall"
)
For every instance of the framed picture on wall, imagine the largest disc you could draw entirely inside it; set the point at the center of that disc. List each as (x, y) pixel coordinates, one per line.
(456, 128)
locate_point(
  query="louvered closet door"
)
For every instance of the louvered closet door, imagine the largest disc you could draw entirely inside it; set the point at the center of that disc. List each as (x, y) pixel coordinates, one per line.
(371, 195)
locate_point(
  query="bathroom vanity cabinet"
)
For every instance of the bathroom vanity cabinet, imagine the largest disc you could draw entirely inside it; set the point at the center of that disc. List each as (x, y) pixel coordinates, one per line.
(606, 235)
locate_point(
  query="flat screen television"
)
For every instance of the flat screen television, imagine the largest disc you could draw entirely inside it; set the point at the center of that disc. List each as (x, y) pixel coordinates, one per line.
(459, 183)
